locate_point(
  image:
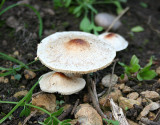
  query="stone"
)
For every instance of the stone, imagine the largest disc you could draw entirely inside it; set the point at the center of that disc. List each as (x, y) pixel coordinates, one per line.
(106, 80)
(105, 20)
(114, 95)
(151, 107)
(20, 93)
(87, 115)
(131, 122)
(127, 103)
(46, 101)
(49, 11)
(2, 79)
(139, 100)
(133, 95)
(12, 22)
(6, 80)
(29, 74)
(127, 89)
(158, 71)
(16, 53)
(120, 86)
(150, 95)
(151, 116)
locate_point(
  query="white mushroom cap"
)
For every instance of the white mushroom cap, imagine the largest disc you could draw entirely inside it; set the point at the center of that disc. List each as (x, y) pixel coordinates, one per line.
(115, 40)
(58, 82)
(75, 52)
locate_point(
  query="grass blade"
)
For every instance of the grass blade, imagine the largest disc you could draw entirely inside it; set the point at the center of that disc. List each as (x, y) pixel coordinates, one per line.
(2, 3)
(6, 73)
(6, 57)
(19, 103)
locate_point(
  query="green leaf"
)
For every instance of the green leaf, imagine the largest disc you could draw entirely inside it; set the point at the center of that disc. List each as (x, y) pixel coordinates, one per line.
(137, 29)
(65, 122)
(25, 112)
(2, 68)
(133, 68)
(111, 122)
(146, 75)
(134, 60)
(22, 113)
(58, 112)
(67, 3)
(17, 76)
(47, 120)
(77, 9)
(92, 8)
(85, 24)
(144, 5)
(6, 73)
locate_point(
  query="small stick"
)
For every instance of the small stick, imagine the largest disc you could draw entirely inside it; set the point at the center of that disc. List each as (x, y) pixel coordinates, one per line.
(75, 106)
(149, 122)
(117, 18)
(35, 94)
(110, 85)
(102, 93)
(94, 90)
(28, 117)
(94, 101)
(65, 113)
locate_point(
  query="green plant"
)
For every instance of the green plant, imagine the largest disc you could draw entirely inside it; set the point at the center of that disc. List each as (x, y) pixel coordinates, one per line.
(135, 70)
(111, 122)
(29, 6)
(85, 8)
(59, 103)
(25, 102)
(137, 29)
(14, 70)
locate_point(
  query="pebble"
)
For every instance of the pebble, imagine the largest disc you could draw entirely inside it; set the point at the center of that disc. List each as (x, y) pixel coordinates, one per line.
(29, 74)
(120, 86)
(131, 122)
(114, 95)
(124, 102)
(20, 93)
(49, 11)
(127, 89)
(2, 79)
(105, 20)
(151, 116)
(106, 80)
(46, 101)
(6, 80)
(151, 107)
(158, 71)
(16, 53)
(150, 95)
(87, 115)
(12, 22)
(133, 95)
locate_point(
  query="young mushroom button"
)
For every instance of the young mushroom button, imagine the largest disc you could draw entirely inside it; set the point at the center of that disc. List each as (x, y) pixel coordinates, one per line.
(115, 40)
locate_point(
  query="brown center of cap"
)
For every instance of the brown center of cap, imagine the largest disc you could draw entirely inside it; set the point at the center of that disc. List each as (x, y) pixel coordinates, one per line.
(111, 35)
(77, 45)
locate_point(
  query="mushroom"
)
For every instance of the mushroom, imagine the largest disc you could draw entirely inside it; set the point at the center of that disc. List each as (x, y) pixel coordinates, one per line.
(75, 52)
(115, 40)
(58, 82)
(71, 53)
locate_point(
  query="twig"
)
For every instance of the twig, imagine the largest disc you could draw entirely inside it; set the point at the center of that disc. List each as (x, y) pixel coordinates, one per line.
(102, 93)
(110, 85)
(118, 113)
(35, 94)
(95, 103)
(28, 117)
(117, 18)
(65, 113)
(149, 122)
(93, 85)
(157, 116)
(75, 106)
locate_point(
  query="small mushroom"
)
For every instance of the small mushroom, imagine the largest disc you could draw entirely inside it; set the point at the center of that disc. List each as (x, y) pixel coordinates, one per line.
(58, 82)
(87, 115)
(115, 40)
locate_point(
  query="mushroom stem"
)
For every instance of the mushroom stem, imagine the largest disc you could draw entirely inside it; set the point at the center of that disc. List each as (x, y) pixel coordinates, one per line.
(93, 97)
(66, 98)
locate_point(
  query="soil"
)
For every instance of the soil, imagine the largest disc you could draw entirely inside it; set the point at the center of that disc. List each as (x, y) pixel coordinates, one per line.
(24, 40)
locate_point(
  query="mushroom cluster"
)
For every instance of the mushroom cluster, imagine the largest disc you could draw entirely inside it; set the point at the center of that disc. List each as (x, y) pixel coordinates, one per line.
(70, 53)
